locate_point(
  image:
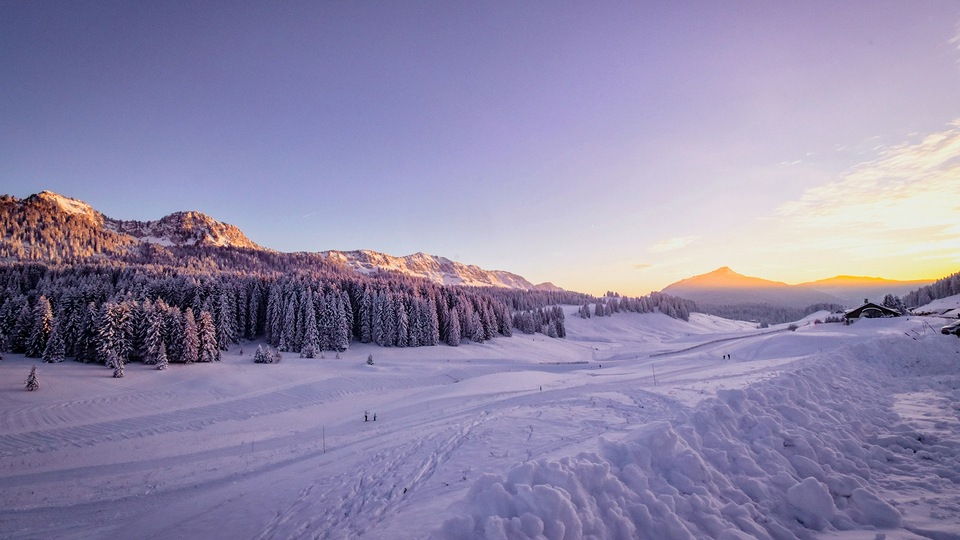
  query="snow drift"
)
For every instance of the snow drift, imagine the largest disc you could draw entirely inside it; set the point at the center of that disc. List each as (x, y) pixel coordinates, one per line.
(810, 450)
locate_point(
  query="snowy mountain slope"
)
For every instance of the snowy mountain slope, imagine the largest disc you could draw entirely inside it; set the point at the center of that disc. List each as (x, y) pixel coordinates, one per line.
(437, 269)
(183, 229)
(846, 431)
(67, 205)
(50, 226)
(78, 228)
(946, 307)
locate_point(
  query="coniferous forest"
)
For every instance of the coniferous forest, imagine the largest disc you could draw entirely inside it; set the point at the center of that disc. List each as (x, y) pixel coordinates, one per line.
(76, 284)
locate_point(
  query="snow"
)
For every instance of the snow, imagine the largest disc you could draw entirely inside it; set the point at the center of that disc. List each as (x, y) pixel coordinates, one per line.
(633, 427)
(68, 205)
(947, 307)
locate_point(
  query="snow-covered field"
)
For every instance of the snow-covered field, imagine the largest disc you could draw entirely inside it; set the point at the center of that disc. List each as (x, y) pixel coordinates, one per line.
(636, 426)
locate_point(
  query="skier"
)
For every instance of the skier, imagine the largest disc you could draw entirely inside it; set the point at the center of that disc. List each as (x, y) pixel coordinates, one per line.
(365, 413)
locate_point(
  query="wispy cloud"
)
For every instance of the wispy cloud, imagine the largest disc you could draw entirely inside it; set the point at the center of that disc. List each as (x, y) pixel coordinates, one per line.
(906, 201)
(672, 244)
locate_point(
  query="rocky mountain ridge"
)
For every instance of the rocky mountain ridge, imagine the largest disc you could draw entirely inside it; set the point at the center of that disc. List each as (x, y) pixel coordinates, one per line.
(49, 226)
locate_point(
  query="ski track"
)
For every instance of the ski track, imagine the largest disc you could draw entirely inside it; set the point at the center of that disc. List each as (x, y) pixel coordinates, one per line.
(192, 418)
(345, 507)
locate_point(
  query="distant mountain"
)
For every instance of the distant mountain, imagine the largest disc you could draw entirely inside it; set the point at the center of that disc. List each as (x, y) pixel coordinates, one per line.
(50, 227)
(437, 269)
(723, 286)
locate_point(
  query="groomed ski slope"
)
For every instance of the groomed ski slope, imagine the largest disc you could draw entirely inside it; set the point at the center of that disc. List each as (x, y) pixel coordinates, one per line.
(633, 427)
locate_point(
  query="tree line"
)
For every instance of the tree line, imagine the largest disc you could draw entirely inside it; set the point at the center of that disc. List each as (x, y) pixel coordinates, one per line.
(155, 314)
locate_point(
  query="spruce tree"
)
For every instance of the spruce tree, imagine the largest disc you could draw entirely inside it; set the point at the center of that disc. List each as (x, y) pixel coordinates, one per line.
(209, 349)
(22, 330)
(311, 340)
(117, 366)
(341, 336)
(54, 351)
(42, 328)
(153, 341)
(33, 380)
(161, 357)
(453, 328)
(190, 348)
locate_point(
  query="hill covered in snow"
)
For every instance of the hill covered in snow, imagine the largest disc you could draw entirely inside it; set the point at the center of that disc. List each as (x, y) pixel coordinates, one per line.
(636, 426)
(437, 269)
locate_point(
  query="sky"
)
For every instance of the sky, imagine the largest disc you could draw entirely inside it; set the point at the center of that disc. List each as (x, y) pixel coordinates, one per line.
(596, 145)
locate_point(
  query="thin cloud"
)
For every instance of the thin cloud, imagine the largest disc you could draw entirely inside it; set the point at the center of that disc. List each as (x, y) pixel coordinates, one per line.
(905, 202)
(672, 244)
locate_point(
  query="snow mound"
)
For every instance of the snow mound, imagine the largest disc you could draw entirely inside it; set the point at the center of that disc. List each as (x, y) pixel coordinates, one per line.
(783, 458)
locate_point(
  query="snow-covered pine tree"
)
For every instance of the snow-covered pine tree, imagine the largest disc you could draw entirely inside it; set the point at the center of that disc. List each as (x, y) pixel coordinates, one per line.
(173, 333)
(453, 328)
(225, 320)
(33, 380)
(253, 310)
(153, 340)
(111, 333)
(402, 322)
(341, 328)
(326, 320)
(190, 343)
(415, 320)
(137, 325)
(477, 327)
(209, 348)
(42, 327)
(22, 329)
(311, 340)
(86, 346)
(117, 366)
(54, 351)
(366, 316)
(432, 328)
(273, 325)
(161, 357)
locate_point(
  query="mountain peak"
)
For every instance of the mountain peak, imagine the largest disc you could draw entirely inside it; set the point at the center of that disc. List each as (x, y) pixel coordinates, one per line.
(725, 277)
(187, 228)
(66, 204)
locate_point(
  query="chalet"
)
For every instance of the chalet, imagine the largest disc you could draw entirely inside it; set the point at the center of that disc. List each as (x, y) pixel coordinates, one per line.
(869, 310)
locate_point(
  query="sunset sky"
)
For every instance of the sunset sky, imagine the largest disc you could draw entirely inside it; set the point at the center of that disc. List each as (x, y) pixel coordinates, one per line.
(598, 145)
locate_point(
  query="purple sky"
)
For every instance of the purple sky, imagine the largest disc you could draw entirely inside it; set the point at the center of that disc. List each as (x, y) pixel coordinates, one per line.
(600, 145)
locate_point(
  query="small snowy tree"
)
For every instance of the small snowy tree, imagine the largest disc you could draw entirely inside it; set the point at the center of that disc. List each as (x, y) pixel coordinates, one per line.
(370, 360)
(117, 367)
(33, 380)
(161, 357)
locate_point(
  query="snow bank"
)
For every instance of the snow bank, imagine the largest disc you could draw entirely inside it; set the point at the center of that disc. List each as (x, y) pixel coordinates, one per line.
(781, 459)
